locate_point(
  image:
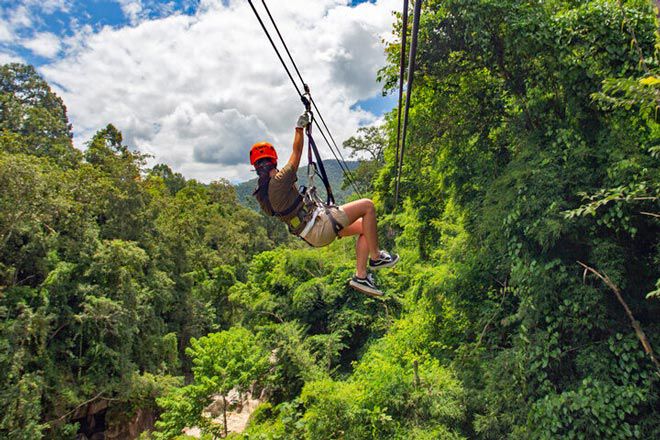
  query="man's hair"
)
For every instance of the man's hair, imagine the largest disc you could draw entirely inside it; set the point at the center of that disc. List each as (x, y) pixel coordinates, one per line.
(263, 168)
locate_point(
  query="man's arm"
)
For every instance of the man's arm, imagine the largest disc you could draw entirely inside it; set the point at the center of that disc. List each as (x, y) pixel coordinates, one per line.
(294, 160)
(303, 121)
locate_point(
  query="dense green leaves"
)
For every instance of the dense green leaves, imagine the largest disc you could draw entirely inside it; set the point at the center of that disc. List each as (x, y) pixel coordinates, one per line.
(32, 118)
(105, 274)
(533, 145)
(221, 362)
(533, 136)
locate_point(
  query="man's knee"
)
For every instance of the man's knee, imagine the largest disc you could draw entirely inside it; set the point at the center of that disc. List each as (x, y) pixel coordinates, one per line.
(369, 206)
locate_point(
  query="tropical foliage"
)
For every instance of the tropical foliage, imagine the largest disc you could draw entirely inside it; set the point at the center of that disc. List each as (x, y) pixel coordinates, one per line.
(525, 304)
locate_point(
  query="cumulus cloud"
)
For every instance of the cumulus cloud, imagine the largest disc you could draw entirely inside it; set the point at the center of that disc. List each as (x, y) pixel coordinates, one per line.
(6, 31)
(49, 6)
(196, 91)
(132, 9)
(137, 11)
(44, 44)
(216, 136)
(20, 18)
(6, 58)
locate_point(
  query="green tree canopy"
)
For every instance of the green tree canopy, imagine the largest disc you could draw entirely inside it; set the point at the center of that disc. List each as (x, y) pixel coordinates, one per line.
(32, 118)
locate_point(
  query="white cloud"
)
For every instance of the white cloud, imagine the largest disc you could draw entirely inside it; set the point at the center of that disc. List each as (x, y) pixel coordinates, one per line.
(6, 31)
(132, 9)
(44, 44)
(137, 11)
(23, 15)
(6, 58)
(20, 17)
(49, 6)
(197, 91)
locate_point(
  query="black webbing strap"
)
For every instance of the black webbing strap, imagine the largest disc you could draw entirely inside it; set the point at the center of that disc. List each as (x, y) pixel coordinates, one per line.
(288, 210)
(266, 199)
(402, 69)
(336, 226)
(319, 163)
(311, 147)
(411, 72)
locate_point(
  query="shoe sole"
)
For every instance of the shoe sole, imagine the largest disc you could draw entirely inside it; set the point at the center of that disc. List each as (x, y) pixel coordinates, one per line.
(383, 266)
(366, 290)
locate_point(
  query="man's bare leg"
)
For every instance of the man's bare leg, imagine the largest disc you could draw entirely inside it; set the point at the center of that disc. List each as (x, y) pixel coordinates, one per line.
(361, 246)
(363, 209)
(362, 255)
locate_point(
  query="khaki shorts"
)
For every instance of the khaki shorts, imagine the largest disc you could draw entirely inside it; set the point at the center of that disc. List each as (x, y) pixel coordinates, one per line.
(322, 233)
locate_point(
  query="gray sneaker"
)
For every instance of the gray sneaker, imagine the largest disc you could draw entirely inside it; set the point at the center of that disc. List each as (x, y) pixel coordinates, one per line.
(366, 286)
(384, 260)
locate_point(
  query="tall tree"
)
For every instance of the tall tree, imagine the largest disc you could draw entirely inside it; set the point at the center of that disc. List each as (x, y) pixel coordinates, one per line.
(370, 142)
(33, 119)
(122, 214)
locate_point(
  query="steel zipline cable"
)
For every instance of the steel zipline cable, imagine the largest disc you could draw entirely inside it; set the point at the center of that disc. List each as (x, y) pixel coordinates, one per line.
(402, 70)
(342, 162)
(411, 72)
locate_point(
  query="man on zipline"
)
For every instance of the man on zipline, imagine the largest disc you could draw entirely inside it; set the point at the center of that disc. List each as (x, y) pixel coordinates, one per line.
(278, 196)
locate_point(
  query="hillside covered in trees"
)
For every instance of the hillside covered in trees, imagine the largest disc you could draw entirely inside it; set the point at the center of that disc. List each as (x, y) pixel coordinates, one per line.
(525, 306)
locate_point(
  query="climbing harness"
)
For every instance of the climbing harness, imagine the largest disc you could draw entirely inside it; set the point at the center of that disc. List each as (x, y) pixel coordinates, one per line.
(314, 168)
(312, 204)
(311, 199)
(262, 190)
(411, 72)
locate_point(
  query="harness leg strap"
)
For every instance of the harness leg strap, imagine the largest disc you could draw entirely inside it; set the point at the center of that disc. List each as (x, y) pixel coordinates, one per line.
(336, 226)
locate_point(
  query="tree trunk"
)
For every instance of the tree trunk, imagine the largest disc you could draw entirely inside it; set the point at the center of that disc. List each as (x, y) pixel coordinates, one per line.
(224, 413)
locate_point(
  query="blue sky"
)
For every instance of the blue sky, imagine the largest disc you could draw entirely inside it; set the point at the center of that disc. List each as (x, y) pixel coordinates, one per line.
(186, 80)
(66, 17)
(97, 13)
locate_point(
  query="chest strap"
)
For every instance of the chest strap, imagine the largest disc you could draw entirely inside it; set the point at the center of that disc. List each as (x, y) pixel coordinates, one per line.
(288, 210)
(262, 191)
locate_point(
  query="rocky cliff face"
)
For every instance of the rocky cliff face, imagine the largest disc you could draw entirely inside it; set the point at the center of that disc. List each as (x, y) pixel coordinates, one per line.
(143, 420)
(98, 420)
(239, 409)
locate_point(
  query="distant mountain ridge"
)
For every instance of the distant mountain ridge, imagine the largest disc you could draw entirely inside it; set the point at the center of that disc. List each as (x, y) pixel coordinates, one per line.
(244, 190)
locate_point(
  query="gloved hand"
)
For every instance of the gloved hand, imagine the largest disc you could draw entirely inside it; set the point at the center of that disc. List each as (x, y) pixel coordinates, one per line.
(304, 120)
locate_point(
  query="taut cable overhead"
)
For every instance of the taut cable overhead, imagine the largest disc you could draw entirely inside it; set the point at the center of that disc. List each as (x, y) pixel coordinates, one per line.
(411, 73)
(342, 162)
(402, 69)
(263, 26)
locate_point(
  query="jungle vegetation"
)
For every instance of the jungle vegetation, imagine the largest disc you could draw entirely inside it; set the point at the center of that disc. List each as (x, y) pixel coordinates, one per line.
(528, 227)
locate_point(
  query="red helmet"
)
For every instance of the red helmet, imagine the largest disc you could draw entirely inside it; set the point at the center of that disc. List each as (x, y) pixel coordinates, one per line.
(262, 150)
